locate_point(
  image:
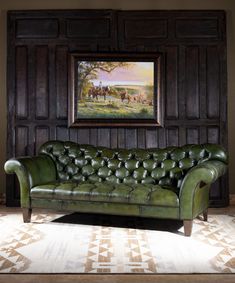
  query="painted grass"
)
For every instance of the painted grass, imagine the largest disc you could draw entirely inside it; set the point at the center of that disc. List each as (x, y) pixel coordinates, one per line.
(114, 109)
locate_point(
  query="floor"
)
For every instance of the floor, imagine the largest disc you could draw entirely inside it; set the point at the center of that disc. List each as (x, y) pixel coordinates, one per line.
(30, 278)
(46, 278)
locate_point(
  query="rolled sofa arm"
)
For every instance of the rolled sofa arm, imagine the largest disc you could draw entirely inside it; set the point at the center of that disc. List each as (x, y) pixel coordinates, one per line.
(194, 190)
(31, 171)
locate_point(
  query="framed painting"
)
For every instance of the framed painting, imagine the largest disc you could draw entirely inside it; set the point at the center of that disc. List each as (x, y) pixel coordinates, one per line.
(115, 89)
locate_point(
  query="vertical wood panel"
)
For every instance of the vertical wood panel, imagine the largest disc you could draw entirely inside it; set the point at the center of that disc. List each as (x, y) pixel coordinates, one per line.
(172, 136)
(213, 82)
(52, 82)
(62, 133)
(223, 106)
(121, 138)
(61, 82)
(213, 135)
(83, 136)
(151, 138)
(73, 135)
(141, 141)
(32, 81)
(182, 136)
(203, 82)
(52, 132)
(192, 83)
(161, 138)
(42, 107)
(172, 83)
(93, 136)
(181, 82)
(192, 135)
(21, 82)
(131, 138)
(114, 137)
(203, 134)
(21, 141)
(104, 137)
(42, 135)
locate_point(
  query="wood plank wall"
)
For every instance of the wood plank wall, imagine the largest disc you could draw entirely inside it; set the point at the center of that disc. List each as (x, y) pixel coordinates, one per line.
(193, 44)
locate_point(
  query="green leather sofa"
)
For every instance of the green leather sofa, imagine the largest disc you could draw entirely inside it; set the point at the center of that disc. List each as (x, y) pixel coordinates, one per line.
(169, 183)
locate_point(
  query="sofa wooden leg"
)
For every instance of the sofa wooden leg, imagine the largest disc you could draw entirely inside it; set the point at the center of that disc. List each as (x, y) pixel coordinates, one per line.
(188, 225)
(27, 212)
(205, 214)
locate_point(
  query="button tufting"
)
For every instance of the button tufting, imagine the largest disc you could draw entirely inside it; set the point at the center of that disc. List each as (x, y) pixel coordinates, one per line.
(152, 166)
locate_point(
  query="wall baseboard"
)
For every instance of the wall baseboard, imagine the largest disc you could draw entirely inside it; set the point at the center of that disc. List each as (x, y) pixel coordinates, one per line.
(232, 199)
(2, 199)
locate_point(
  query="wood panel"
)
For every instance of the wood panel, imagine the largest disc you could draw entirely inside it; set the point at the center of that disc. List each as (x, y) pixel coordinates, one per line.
(193, 135)
(197, 28)
(113, 137)
(151, 138)
(213, 135)
(193, 48)
(42, 134)
(73, 135)
(62, 133)
(21, 82)
(61, 82)
(121, 138)
(42, 107)
(131, 138)
(93, 136)
(213, 82)
(88, 28)
(21, 140)
(37, 28)
(141, 141)
(145, 28)
(192, 83)
(171, 82)
(103, 137)
(83, 136)
(172, 136)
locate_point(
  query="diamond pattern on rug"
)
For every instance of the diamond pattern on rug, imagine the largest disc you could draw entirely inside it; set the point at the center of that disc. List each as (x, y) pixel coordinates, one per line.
(12, 261)
(43, 246)
(119, 251)
(220, 232)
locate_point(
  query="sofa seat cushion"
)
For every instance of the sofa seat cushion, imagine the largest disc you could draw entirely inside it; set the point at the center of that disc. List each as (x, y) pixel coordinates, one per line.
(144, 194)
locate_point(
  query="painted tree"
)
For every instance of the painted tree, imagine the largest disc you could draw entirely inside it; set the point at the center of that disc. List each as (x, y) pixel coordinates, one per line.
(88, 70)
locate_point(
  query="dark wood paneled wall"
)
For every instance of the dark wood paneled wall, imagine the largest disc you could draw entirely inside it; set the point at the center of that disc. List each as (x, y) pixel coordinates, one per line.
(193, 44)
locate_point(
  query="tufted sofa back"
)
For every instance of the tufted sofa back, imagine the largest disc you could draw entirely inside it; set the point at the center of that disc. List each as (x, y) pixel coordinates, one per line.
(165, 167)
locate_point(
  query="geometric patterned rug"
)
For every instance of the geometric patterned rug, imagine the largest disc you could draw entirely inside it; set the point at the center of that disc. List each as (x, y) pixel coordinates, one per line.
(88, 243)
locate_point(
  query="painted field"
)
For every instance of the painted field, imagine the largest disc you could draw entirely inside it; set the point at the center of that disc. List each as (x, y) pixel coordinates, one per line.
(115, 90)
(113, 109)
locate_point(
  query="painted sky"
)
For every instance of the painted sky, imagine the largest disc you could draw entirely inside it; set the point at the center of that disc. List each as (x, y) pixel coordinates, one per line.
(138, 73)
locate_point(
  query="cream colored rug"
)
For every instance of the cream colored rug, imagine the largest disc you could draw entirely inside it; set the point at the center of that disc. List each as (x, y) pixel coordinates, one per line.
(79, 243)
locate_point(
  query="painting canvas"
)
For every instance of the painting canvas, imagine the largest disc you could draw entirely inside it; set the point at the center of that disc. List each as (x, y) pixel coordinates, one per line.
(114, 89)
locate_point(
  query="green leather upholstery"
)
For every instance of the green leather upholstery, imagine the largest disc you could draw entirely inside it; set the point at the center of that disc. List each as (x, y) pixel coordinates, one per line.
(107, 192)
(31, 171)
(153, 166)
(169, 183)
(195, 183)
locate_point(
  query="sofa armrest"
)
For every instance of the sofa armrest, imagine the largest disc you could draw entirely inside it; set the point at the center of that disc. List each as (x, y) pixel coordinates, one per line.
(31, 171)
(194, 190)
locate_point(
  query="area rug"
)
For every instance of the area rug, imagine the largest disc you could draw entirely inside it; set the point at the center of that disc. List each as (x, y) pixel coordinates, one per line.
(81, 243)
